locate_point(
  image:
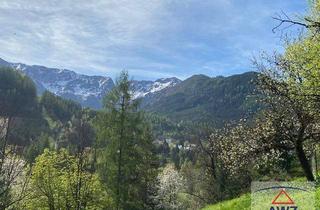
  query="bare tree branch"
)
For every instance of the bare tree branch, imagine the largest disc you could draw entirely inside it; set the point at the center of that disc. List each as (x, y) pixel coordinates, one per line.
(283, 18)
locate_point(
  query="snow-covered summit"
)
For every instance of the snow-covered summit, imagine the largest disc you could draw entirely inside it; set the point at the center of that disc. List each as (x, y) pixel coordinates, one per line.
(87, 90)
(143, 88)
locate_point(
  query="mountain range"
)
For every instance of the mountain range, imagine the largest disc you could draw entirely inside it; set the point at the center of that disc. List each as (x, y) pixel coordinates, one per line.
(87, 90)
(199, 98)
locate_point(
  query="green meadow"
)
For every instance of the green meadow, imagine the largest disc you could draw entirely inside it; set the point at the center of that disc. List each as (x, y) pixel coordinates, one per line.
(244, 202)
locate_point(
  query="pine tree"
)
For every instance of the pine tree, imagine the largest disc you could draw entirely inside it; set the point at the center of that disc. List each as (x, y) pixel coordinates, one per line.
(128, 164)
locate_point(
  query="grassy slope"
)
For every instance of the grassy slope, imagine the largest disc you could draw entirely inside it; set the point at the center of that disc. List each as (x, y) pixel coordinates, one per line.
(243, 202)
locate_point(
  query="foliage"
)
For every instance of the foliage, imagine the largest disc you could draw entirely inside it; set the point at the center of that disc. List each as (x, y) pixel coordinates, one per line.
(127, 162)
(54, 182)
(58, 108)
(17, 94)
(171, 184)
(290, 87)
(224, 160)
(17, 100)
(37, 147)
(25, 131)
(197, 189)
(201, 98)
(77, 134)
(115, 165)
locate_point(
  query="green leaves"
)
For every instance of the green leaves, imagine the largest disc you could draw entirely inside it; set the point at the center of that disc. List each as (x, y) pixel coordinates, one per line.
(17, 94)
(59, 109)
(54, 182)
(126, 161)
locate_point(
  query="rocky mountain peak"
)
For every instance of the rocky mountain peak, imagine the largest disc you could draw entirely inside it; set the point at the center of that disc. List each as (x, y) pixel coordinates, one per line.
(87, 90)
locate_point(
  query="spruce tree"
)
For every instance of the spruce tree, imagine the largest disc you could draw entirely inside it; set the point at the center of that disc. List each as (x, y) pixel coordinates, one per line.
(126, 139)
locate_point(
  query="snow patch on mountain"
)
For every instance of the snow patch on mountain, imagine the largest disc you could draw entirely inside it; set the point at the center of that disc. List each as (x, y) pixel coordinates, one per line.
(157, 86)
(87, 90)
(143, 88)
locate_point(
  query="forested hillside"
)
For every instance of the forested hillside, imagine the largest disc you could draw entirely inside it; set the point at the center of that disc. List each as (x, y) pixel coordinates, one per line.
(180, 145)
(203, 99)
(84, 89)
(199, 98)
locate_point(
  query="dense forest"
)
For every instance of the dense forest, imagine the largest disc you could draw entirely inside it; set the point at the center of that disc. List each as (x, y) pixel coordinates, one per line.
(203, 99)
(56, 154)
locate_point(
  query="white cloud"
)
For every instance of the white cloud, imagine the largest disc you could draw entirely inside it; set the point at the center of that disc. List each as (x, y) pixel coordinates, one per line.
(150, 37)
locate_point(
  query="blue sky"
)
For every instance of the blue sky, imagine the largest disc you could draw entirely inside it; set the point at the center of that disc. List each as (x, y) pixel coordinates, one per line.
(149, 38)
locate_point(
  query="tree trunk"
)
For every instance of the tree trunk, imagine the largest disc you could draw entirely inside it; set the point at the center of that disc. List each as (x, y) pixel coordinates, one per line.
(305, 164)
(119, 180)
(4, 143)
(119, 175)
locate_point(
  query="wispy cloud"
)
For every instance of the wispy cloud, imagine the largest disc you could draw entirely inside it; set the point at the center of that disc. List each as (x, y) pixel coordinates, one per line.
(149, 38)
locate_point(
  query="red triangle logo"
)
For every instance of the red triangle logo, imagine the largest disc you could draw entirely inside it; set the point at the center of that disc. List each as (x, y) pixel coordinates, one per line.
(282, 193)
